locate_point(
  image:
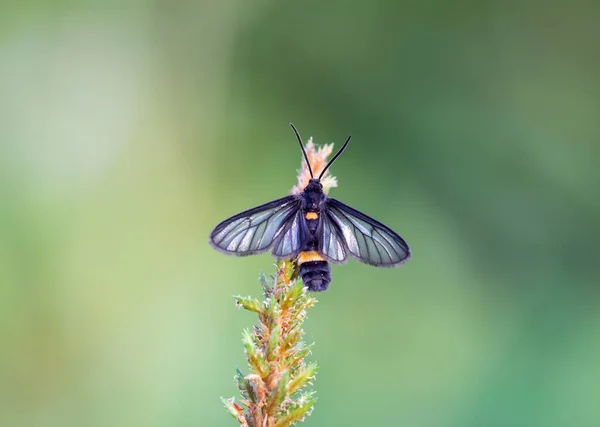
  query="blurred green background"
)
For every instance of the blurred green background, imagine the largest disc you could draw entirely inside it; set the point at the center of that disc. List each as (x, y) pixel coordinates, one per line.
(127, 131)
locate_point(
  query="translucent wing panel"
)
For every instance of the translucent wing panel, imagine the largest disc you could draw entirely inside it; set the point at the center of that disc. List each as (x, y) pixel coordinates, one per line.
(290, 240)
(254, 231)
(366, 239)
(332, 244)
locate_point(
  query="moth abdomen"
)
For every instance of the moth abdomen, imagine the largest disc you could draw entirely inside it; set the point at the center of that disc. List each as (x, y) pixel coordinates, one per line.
(314, 270)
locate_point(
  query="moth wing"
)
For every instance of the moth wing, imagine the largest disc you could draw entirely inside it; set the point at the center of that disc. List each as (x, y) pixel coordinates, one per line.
(254, 231)
(365, 238)
(332, 241)
(291, 239)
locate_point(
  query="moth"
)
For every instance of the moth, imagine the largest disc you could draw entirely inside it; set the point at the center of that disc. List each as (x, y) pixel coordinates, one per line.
(312, 229)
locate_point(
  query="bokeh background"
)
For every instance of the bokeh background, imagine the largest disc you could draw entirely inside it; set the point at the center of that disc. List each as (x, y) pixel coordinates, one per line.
(127, 131)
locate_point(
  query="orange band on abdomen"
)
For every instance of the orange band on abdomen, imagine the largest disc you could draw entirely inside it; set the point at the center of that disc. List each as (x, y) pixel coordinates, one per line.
(309, 256)
(311, 215)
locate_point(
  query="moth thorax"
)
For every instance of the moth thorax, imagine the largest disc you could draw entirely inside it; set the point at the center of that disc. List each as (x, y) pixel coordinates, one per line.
(316, 275)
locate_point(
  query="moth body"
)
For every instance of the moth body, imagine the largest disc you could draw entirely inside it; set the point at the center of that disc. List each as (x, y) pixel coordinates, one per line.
(312, 265)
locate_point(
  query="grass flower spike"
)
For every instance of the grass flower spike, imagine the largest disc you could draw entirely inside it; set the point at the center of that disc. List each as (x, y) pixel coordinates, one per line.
(273, 392)
(318, 160)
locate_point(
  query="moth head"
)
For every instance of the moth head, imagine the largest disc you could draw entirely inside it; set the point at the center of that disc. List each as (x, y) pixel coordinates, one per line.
(314, 184)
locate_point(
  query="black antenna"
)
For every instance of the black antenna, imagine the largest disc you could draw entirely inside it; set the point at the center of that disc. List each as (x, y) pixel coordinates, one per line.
(302, 146)
(335, 157)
